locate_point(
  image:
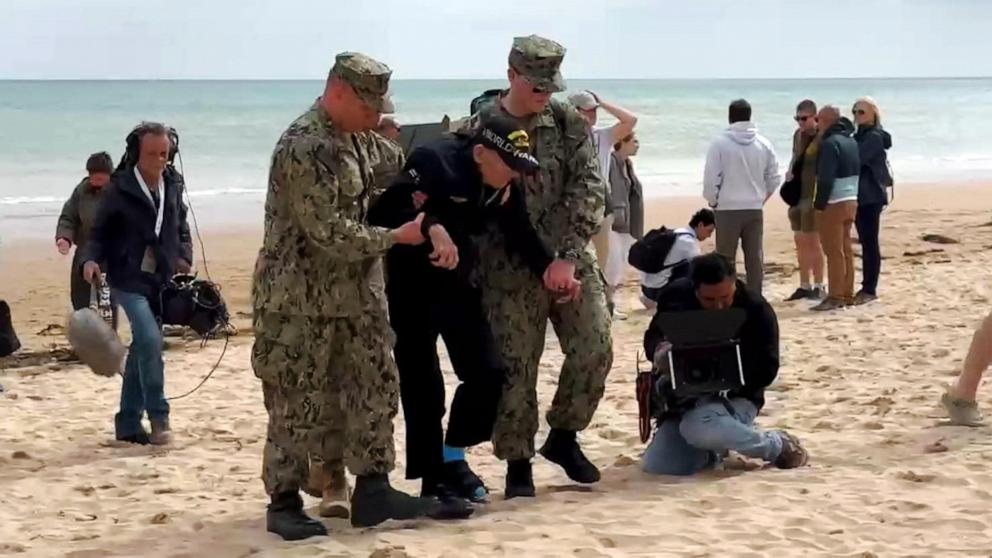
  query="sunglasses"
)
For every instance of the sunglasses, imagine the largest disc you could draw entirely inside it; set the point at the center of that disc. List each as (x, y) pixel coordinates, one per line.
(534, 88)
(803, 118)
(859, 112)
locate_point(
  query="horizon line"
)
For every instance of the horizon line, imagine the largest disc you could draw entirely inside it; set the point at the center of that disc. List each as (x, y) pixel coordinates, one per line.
(399, 79)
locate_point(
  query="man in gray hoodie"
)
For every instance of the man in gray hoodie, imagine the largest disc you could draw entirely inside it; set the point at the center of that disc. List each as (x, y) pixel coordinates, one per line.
(741, 174)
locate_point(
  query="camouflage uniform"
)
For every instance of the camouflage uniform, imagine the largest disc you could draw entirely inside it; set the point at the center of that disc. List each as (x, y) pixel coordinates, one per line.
(327, 448)
(322, 338)
(565, 202)
(387, 162)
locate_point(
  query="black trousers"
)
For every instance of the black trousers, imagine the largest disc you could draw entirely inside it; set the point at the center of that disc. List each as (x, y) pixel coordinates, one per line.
(420, 310)
(868, 223)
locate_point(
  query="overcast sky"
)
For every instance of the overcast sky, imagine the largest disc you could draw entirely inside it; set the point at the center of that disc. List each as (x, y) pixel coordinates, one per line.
(97, 39)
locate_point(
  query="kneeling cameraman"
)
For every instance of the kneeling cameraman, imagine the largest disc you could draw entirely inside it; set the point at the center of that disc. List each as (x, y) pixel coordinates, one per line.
(695, 432)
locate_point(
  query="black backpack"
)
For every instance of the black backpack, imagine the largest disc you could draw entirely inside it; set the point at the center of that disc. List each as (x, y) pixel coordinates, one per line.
(8, 339)
(648, 254)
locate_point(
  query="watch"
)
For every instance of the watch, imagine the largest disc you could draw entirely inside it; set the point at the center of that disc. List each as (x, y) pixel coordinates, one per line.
(570, 254)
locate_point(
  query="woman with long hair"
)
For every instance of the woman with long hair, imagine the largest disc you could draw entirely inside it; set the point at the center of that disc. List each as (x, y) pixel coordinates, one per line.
(876, 176)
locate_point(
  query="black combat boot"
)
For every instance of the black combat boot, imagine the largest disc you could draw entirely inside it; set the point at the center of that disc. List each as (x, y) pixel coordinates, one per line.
(519, 479)
(460, 478)
(375, 501)
(454, 506)
(285, 518)
(562, 448)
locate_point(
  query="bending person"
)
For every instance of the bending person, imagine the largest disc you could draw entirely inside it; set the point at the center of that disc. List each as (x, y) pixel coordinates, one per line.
(462, 184)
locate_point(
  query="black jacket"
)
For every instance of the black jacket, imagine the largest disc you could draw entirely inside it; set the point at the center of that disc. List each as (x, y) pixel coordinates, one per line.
(125, 228)
(758, 335)
(873, 142)
(445, 171)
(838, 158)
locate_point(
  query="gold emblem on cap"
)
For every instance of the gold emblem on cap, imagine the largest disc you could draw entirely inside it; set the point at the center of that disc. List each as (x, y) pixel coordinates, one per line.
(520, 139)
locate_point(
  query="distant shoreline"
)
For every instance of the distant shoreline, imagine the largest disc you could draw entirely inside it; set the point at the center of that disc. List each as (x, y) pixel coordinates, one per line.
(492, 78)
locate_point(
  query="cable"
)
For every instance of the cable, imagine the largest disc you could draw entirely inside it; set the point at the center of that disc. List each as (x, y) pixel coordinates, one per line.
(192, 212)
(227, 340)
(206, 270)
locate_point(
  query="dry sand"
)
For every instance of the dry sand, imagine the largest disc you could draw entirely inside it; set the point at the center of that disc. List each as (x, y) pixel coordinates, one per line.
(859, 386)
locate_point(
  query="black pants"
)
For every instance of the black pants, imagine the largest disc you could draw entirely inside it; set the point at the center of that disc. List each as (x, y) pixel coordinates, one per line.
(420, 311)
(868, 223)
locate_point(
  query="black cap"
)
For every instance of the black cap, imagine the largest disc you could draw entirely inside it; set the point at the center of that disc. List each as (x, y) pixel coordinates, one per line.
(503, 135)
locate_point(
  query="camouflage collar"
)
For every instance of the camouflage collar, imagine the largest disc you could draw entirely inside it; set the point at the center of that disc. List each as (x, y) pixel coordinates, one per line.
(322, 118)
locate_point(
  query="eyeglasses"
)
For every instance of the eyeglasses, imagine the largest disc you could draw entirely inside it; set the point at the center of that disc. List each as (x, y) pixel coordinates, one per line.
(803, 118)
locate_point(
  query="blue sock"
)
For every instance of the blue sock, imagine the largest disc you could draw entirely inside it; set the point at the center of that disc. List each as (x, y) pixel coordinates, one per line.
(453, 454)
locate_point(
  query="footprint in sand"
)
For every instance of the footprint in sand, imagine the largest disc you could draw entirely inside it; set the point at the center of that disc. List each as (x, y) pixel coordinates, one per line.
(915, 477)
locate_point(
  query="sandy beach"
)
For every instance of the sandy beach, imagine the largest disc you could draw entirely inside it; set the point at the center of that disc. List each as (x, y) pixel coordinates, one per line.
(859, 386)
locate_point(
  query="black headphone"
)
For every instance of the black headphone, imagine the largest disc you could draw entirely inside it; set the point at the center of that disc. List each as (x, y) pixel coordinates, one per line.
(132, 143)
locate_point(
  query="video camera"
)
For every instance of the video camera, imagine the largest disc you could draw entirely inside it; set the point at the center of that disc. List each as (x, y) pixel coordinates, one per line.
(705, 355)
(703, 358)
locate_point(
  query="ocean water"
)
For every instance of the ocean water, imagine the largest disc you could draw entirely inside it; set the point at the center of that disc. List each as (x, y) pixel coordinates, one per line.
(227, 128)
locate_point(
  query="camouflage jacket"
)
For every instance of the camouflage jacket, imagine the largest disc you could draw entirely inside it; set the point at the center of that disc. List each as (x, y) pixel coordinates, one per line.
(566, 199)
(317, 251)
(387, 161)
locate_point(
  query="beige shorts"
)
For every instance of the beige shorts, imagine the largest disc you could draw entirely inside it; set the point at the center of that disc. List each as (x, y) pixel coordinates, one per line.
(802, 219)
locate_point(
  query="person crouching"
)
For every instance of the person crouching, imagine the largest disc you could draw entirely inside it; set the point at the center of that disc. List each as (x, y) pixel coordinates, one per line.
(695, 433)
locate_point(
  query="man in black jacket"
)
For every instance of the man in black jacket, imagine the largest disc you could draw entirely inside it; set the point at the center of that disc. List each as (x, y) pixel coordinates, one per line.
(696, 433)
(141, 233)
(460, 184)
(838, 167)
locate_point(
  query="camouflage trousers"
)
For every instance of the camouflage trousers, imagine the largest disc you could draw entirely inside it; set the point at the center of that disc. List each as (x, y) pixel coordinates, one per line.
(519, 309)
(331, 390)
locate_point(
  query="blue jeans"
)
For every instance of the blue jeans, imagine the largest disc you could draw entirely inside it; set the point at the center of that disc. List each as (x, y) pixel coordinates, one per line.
(144, 373)
(701, 437)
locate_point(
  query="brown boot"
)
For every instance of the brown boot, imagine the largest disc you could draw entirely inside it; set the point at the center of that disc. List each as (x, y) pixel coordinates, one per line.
(161, 433)
(335, 496)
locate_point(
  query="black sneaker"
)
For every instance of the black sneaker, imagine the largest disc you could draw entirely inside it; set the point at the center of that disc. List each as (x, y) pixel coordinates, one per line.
(800, 294)
(817, 293)
(452, 506)
(141, 438)
(458, 476)
(562, 448)
(864, 298)
(519, 479)
(285, 518)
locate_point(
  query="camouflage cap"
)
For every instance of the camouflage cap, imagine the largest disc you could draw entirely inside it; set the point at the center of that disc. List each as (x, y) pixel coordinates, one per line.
(538, 59)
(367, 76)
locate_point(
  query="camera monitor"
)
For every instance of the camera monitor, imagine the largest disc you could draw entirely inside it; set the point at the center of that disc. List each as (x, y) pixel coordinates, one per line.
(705, 358)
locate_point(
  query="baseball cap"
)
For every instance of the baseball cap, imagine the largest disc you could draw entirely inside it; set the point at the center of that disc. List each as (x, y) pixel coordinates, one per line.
(503, 135)
(368, 77)
(583, 100)
(539, 60)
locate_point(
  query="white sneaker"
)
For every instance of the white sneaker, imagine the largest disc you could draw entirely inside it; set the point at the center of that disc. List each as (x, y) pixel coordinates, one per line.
(961, 411)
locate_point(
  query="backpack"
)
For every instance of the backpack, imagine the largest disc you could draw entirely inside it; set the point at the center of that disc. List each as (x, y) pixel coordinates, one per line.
(8, 339)
(648, 254)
